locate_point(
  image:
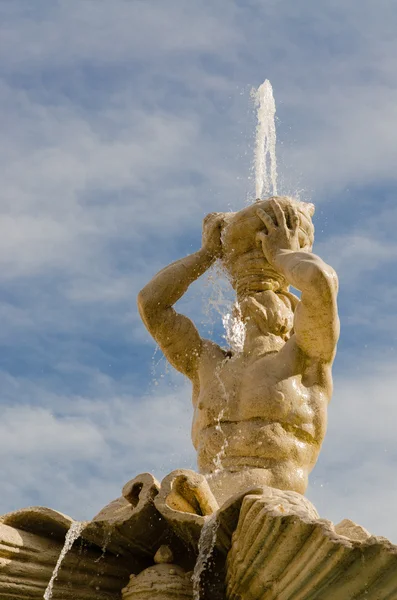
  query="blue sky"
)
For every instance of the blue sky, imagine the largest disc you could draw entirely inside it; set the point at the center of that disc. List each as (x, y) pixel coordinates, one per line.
(122, 124)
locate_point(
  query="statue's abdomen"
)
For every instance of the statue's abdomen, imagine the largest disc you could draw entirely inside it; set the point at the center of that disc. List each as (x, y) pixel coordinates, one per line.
(258, 425)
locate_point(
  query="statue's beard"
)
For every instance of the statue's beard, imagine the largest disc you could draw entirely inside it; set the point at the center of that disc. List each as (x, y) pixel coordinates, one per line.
(269, 313)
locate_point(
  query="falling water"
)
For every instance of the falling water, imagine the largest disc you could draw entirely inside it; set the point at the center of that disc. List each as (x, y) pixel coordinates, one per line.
(217, 460)
(222, 301)
(106, 540)
(206, 547)
(265, 148)
(74, 532)
(234, 328)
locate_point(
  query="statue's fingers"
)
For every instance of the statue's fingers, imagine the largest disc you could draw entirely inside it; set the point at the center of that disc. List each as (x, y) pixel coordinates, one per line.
(265, 218)
(260, 237)
(279, 213)
(293, 218)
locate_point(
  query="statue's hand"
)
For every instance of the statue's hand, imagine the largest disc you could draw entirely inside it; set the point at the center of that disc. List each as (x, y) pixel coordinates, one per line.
(212, 229)
(278, 235)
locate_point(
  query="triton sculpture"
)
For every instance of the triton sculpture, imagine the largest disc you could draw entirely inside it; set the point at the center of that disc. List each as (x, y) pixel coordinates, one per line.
(259, 414)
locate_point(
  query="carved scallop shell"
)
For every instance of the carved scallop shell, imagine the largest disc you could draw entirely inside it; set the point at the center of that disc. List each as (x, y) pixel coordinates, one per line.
(278, 554)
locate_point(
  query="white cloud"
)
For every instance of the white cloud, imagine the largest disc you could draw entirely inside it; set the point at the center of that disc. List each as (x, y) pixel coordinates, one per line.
(33, 431)
(111, 34)
(58, 453)
(51, 204)
(357, 254)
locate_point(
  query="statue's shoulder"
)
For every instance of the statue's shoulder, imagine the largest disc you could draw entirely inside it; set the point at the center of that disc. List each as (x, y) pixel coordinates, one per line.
(313, 369)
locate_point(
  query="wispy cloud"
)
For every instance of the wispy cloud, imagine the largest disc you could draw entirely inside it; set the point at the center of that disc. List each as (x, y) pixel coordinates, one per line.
(79, 450)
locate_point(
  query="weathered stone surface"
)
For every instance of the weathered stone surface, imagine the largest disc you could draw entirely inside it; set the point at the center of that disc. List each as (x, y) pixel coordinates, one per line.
(39, 520)
(164, 555)
(239, 231)
(131, 525)
(161, 582)
(264, 544)
(27, 562)
(184, 500)
(229, 513)
(352, 531)
(211, 579)
(279, 552)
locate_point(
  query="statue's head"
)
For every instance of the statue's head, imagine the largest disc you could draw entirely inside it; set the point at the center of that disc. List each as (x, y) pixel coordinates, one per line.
(243, 258)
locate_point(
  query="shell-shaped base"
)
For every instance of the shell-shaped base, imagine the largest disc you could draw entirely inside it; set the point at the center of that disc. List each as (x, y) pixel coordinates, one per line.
(277, 554)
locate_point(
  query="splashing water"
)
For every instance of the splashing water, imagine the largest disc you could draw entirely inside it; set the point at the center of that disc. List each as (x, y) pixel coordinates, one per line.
(265, 147)
(217, 460)
(106, 541)
(234, 328)
(74, 532)
(206, 547)
(222, 301)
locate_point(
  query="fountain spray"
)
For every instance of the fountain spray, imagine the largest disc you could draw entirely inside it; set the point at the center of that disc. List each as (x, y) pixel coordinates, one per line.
(265, 145)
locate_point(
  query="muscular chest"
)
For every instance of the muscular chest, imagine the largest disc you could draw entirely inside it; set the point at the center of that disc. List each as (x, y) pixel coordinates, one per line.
(241, 389)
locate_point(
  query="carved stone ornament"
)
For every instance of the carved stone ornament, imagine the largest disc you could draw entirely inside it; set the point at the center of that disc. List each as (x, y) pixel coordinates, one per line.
(160, 582)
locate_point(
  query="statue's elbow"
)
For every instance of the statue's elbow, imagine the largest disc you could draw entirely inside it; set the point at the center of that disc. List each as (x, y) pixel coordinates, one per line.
(143, 302)
(149, 308)
(331, 279)
(324, 279)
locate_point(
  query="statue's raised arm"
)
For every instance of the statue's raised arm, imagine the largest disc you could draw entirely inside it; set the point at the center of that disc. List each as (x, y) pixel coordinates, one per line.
(316, 322)
(176, 335)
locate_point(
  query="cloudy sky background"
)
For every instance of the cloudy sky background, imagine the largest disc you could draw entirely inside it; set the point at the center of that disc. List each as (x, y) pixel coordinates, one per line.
(123, 123)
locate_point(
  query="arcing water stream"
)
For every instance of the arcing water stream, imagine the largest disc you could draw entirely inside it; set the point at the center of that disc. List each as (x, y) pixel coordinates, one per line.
(74, 532)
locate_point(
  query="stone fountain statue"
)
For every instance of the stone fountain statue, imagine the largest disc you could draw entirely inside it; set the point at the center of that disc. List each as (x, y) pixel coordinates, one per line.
(241, 528)
(260, 414)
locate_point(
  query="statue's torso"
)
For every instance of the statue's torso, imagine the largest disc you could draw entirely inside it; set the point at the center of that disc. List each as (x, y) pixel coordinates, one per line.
(259, 413)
